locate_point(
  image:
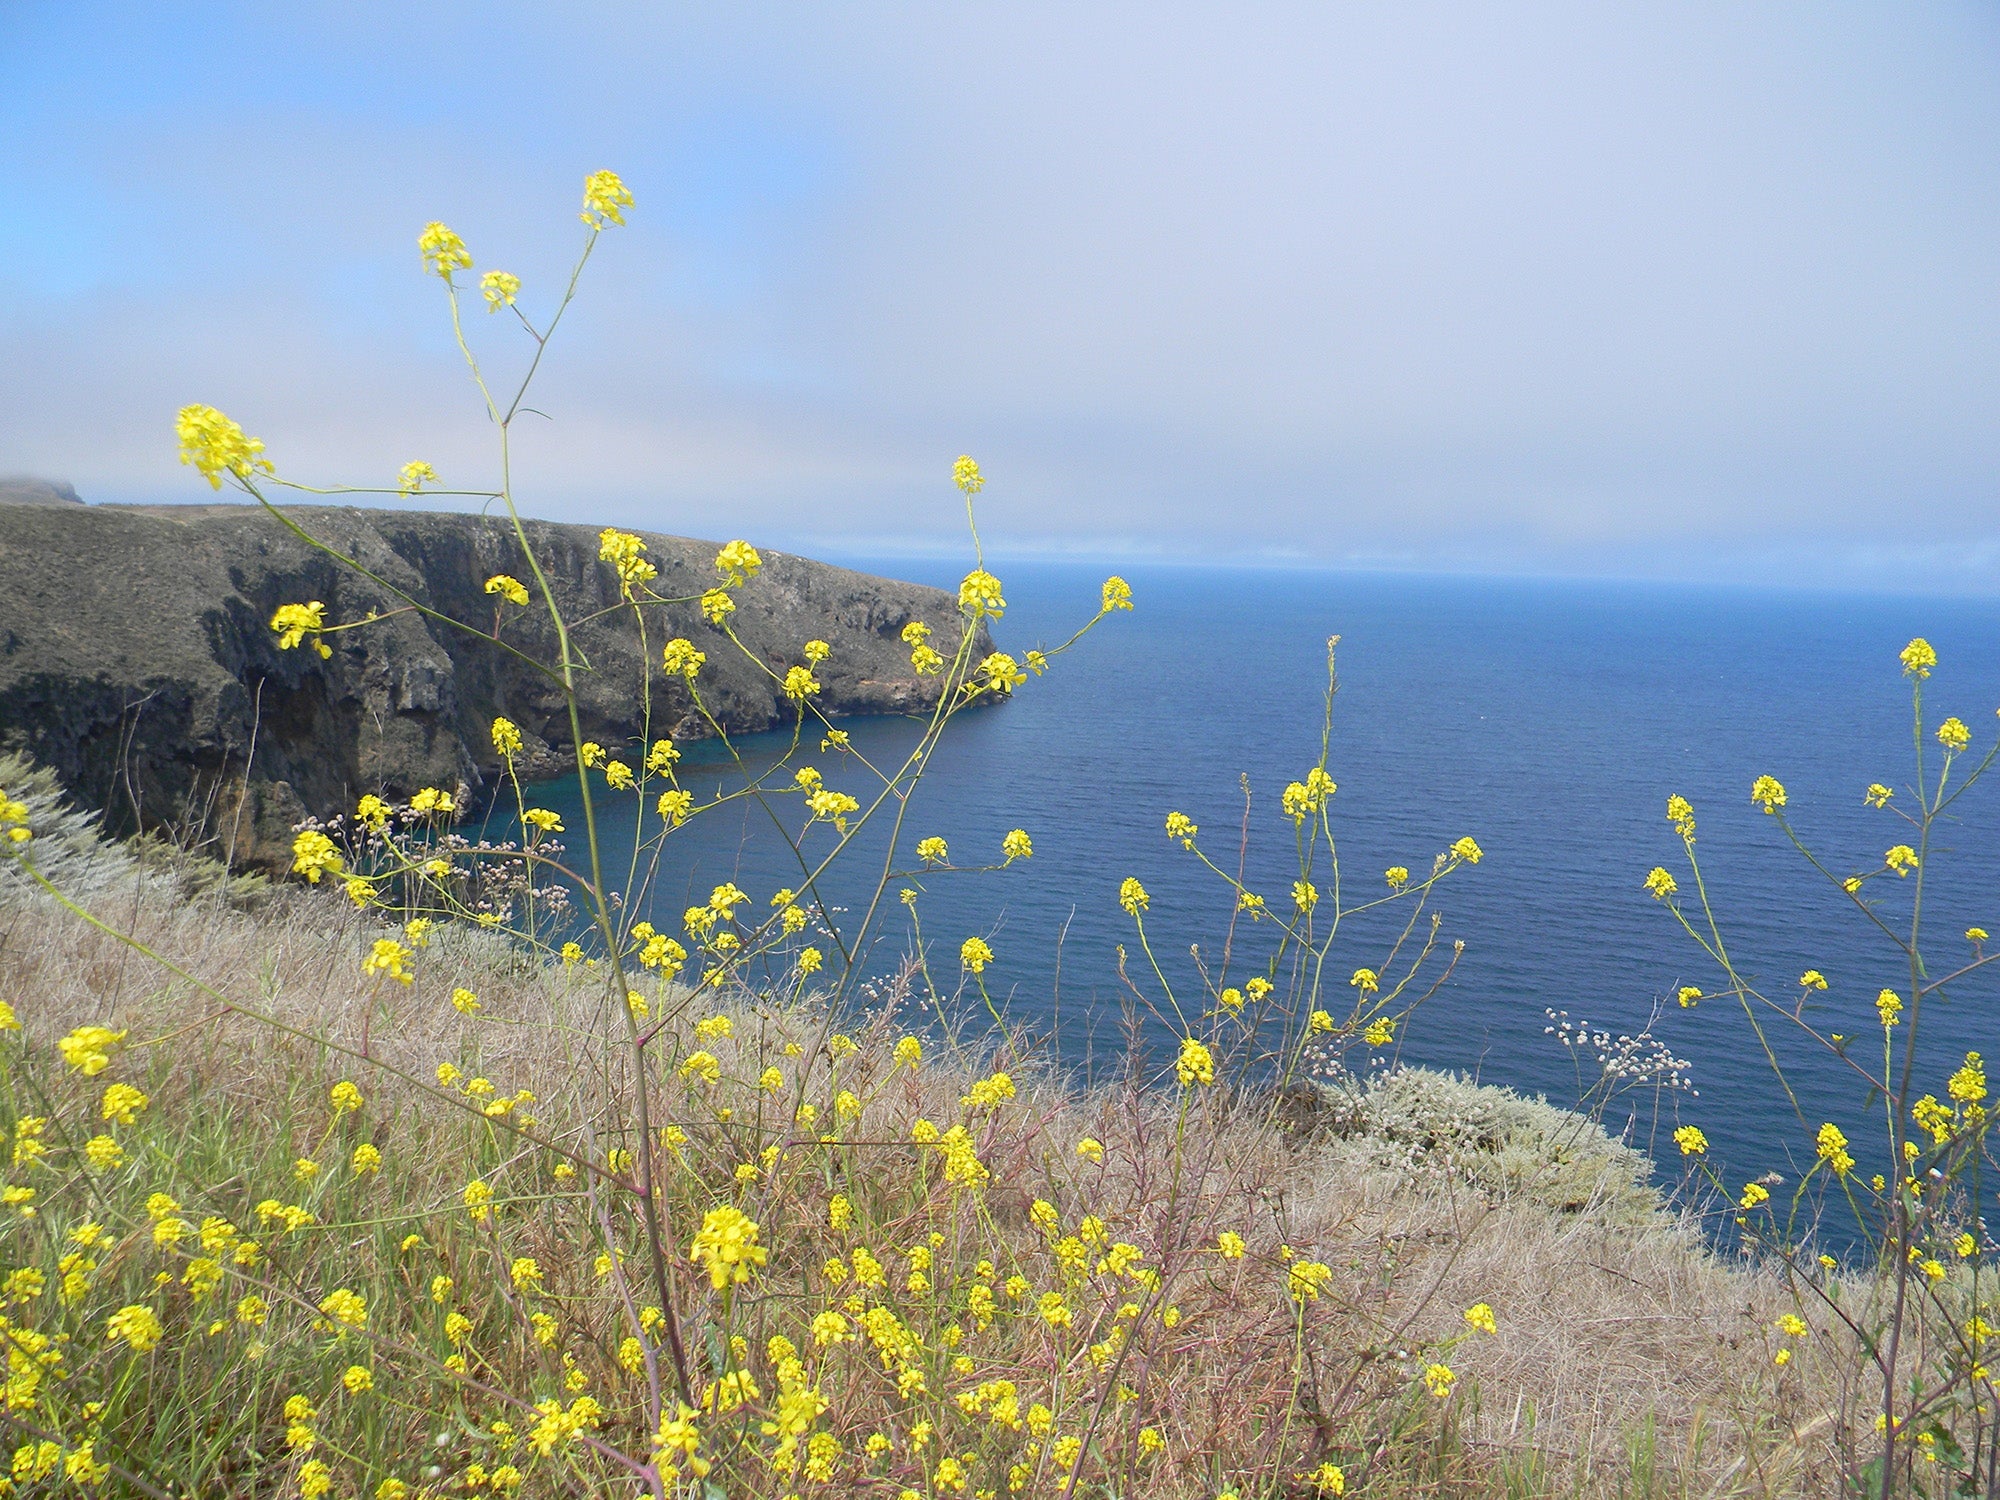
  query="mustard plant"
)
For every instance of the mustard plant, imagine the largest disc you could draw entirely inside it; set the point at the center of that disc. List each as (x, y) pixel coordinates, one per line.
(1916, 1318)
(756, 1241)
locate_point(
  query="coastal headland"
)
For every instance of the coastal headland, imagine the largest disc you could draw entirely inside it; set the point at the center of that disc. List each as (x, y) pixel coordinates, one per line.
(138, 663)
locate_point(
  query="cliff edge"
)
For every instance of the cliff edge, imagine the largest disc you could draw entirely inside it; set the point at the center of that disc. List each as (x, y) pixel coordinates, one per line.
(137, 660)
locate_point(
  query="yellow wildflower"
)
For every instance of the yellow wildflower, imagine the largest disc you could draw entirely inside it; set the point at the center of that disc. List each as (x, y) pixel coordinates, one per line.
(1833, 1149)
(499, 288)
(508, 587)
(605, 197)
(622, 550)
(1968, 1084)
(680, 658)
(1001, 672)
(388, 957)
(217, 446)
(1196, 1064)
(136, 1325)
(88, 1048)
(1680, 813)
(443, 251)
(726, 1244)
(294, 622)
(1306, 1279)
(345, 1307)
(738, 562)
(979, 595)
(123, 1103)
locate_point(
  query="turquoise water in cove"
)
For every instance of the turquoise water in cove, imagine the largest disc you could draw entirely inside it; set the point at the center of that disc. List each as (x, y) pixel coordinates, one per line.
(1548, 720)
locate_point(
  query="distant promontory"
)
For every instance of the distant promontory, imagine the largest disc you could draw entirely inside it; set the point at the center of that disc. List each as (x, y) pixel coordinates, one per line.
(138, 663)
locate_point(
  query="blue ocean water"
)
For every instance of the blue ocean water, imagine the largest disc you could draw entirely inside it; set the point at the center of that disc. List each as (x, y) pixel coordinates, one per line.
(1547, 720)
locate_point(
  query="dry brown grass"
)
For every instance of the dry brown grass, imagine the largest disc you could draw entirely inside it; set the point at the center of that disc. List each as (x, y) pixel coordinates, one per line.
(1629, 1359)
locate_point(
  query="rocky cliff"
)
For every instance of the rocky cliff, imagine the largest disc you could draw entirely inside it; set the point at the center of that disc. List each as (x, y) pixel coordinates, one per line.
(138, 663)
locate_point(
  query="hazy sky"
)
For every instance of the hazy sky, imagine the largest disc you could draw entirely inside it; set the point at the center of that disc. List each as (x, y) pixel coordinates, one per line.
(1704, 289)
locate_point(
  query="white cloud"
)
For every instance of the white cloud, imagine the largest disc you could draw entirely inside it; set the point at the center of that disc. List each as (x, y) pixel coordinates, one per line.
(1522, 286)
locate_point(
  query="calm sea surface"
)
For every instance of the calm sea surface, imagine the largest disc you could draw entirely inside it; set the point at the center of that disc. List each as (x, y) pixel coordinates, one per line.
(1550, 721)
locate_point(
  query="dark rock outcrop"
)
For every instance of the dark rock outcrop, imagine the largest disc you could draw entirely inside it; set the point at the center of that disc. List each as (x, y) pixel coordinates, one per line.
(137, 660)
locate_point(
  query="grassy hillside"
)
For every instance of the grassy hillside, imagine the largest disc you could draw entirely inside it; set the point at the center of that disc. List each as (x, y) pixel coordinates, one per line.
(969, 1286)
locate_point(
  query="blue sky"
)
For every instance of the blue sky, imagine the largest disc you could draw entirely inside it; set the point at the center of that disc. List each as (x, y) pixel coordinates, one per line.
(1694, 290)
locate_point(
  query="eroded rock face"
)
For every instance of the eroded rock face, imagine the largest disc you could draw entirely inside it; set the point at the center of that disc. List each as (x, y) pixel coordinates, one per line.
(138, 663)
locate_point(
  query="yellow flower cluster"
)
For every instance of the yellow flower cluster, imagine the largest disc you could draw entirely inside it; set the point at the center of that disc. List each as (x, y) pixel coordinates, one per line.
(508, 587)
(625, 552)
(1195, 1065)
(979, 596)
(443, 251)
(499, 288)
(217, 446)
(294, 622)
(738, 563)
(14, 819)
(1832, 1147)
(726, 1246)
(680, 659)
(1304, 799)
(605, 197)
(1768, 793)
